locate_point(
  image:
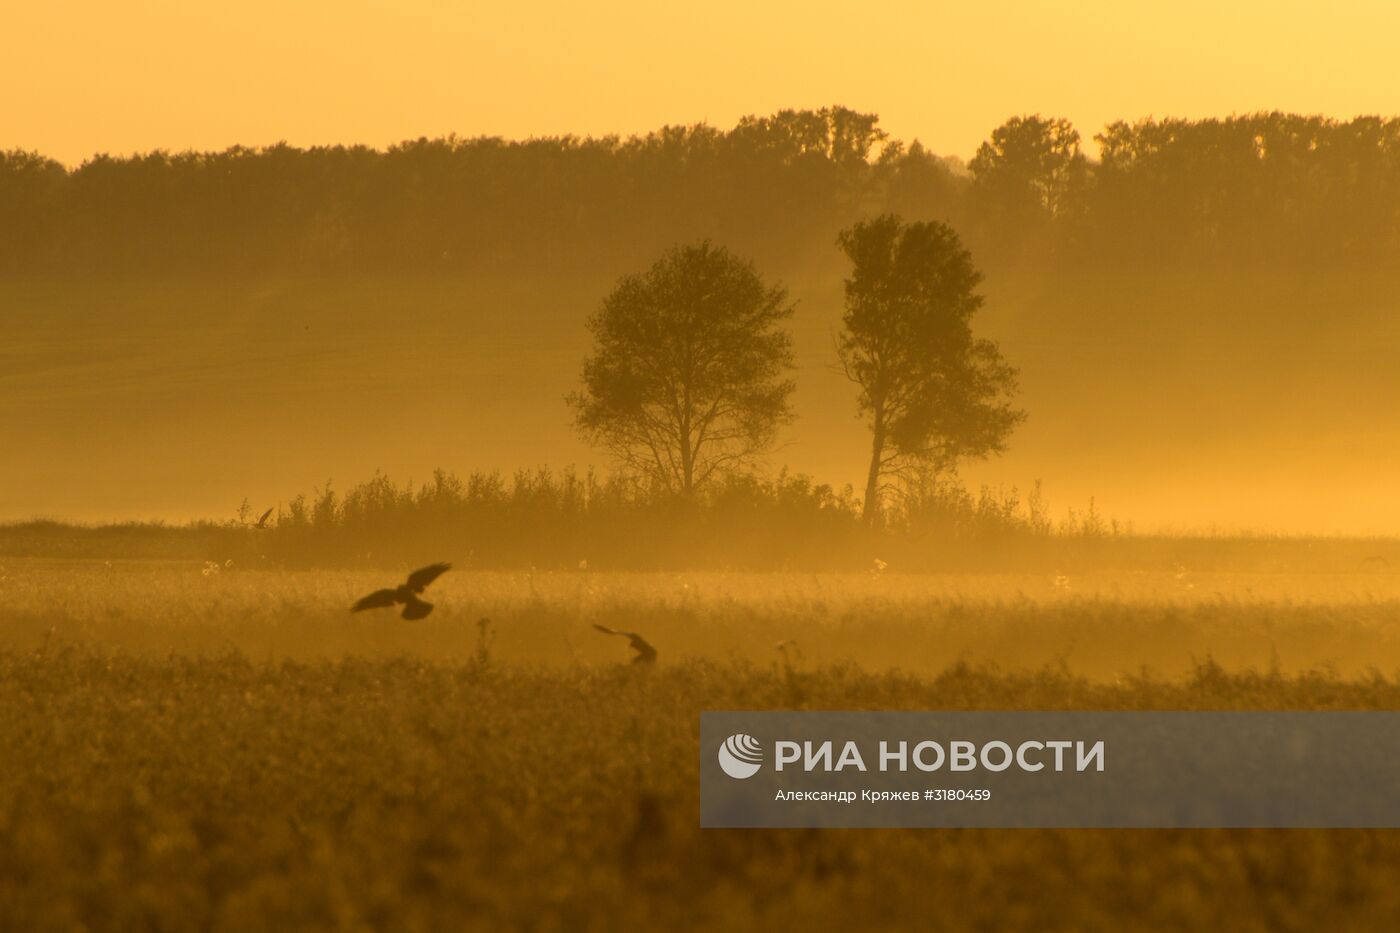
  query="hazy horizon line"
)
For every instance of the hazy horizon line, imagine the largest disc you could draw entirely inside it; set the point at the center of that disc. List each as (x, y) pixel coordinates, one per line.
(1088, 142)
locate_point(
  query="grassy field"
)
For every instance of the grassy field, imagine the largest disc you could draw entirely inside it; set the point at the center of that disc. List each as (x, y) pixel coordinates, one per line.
(1138, 391)
(191, 748)
(1098, 625)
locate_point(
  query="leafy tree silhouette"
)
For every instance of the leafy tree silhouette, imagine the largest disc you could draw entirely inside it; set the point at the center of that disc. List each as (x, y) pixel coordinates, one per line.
(687, 379)
(933, 393)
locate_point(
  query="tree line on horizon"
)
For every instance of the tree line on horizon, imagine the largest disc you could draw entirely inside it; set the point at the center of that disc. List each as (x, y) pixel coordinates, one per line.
(1263, 187)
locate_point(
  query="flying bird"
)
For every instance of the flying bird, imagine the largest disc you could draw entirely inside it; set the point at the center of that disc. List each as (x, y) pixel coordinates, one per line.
(261, 524)
(413, 607)
(646, 653)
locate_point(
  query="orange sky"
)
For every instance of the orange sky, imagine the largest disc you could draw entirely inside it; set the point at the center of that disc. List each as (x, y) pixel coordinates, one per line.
(86, 76)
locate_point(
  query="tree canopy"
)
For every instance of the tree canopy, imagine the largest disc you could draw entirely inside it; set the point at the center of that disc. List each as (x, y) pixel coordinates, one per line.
(687, 381)
(932, 392)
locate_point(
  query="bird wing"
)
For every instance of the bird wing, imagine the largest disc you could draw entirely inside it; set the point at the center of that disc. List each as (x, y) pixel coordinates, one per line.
(379, 599)
(419, 579)
(262, 522)
(646, 653)
(415, 608)
(645, 650)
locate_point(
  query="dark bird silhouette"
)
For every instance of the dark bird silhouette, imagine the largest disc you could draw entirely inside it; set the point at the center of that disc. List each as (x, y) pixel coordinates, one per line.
(261, 524)
(413, 607)
(646, 653)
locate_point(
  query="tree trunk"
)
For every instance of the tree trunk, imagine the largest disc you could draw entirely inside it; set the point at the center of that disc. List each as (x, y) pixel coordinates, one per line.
(687, 452)
(871, 512)
(687, 467)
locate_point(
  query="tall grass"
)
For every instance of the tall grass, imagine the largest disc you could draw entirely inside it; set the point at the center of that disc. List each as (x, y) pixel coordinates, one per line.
(564, 519)
(216, 748)
(1103, 625)
(227, 794)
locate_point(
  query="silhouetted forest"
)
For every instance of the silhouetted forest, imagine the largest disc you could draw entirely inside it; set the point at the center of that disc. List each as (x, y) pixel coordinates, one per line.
(1202, 312)
(1266, 187)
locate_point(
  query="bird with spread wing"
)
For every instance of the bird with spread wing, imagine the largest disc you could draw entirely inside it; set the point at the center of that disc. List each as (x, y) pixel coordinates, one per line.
(407, 594)
(646, 653)
(261, 524)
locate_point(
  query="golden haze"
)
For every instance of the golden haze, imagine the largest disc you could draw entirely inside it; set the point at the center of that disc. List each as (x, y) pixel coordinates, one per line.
(87, 77)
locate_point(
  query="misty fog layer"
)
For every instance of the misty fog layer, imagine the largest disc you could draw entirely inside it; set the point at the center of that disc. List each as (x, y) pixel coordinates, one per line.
(1203, 317)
